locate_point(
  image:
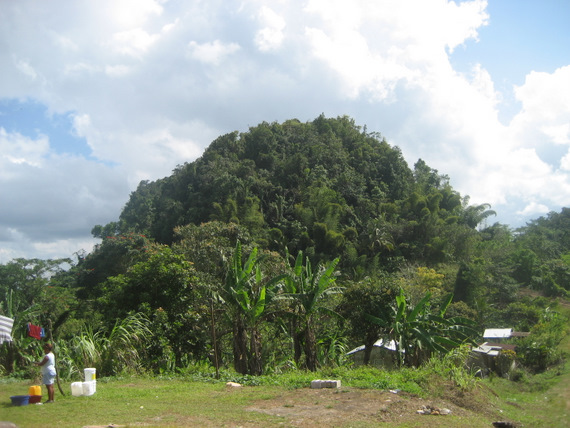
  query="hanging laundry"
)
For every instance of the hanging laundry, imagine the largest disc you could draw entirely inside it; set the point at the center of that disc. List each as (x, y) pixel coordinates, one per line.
(6, 329)
(42, 333)
(34, 331)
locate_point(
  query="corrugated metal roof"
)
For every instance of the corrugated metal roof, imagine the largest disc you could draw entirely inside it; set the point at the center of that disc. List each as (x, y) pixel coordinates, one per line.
(497, 333)
(379, 343)
(493, 349)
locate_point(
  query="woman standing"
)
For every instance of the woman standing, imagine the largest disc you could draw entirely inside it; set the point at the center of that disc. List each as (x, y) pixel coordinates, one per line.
(48, 371)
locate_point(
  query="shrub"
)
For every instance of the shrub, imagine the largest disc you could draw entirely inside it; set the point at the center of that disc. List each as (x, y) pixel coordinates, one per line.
(540, 350)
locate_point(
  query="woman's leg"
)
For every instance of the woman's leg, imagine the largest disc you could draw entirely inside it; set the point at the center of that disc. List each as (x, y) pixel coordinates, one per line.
(50, 392)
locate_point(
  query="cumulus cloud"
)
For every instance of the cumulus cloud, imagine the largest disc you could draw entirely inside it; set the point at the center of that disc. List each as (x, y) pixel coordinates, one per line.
(211, 52)
(17, 149)
(149, 84)
(271, 35)
(49, 198)
(545, 114)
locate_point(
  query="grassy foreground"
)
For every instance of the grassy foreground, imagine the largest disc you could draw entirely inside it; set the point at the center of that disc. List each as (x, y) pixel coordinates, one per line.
(180, 402)
(136, 401)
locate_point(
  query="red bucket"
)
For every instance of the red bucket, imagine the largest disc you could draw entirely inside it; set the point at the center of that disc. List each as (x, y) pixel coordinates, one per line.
(35, 399)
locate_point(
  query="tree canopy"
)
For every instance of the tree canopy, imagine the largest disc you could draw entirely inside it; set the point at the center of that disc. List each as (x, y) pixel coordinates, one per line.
(198, 263)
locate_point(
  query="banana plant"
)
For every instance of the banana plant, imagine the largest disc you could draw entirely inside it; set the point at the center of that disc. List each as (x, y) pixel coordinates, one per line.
(247, 294)
(308, 289)
(417, 332)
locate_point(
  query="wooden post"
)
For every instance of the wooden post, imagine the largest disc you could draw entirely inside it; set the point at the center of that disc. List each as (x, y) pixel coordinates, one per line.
(214, 342)
(50, 337)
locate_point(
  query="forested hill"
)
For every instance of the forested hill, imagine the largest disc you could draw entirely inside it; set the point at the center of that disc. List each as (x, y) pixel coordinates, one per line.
(198, 268)
(326, 187)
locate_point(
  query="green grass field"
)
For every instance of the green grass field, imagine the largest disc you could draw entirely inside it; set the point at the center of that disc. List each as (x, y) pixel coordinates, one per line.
(178, 402)
(136, 401)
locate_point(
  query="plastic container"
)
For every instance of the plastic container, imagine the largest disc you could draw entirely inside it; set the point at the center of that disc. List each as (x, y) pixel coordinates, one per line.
(90, 374)
(89, 387)
(77, 389)
(20, 400)
(35, 399)
(35, 390)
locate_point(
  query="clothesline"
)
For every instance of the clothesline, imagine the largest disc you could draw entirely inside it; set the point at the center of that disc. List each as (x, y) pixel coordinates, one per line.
(6, 325)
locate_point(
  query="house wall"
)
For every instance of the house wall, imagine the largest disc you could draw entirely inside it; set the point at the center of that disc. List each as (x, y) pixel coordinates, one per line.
(379, 357)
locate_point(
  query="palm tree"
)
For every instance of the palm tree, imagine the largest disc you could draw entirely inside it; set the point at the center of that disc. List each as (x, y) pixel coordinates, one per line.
(473, 215)
(308, 289)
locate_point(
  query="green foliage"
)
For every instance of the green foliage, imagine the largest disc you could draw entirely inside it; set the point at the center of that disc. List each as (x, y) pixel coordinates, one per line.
(369, 296)
(418, 331)
(308, 289)
(112, 257)
(453, 366)
(116, 351)
(23, 286)
(540, 350)
(246, 294)
(328, 190)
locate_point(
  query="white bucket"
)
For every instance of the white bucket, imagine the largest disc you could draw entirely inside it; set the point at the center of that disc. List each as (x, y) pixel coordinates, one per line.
(89, 374)
(76, 389)
(89, 387)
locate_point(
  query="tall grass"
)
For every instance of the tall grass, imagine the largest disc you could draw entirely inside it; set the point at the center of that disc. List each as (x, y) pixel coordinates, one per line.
(453, 366)
(114, 352)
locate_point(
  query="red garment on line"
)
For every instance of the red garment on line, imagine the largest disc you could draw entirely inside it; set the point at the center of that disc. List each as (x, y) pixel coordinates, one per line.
(35, 331)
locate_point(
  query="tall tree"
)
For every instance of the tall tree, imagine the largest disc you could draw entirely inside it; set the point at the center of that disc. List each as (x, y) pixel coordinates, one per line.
(370, 296)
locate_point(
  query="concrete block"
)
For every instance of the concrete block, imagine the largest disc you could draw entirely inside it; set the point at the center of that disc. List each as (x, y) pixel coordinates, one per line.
(316, 384)
(319, 383)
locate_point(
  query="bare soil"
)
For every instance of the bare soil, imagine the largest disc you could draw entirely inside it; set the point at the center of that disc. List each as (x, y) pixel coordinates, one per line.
(357, 407)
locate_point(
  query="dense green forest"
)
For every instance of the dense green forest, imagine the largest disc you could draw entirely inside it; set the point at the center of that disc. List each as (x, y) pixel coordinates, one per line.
(284, 247)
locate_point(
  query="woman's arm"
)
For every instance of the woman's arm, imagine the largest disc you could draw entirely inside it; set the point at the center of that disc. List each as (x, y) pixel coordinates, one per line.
(42, 362)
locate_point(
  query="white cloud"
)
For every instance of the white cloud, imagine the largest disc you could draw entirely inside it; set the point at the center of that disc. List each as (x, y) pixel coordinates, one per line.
(26, 69)
(19, 149)
(271, 35)
(211, 52)
(375, 47)
(545, 113)
(133, 42)
(119, 70)
(130, 13)
(149, 84)
(534, 209)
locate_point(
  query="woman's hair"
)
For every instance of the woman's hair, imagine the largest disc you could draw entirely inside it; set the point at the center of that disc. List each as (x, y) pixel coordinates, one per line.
(48, 346)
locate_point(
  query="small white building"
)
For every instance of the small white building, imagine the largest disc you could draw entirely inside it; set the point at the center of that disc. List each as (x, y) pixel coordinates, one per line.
(382, 354)
(486, 355)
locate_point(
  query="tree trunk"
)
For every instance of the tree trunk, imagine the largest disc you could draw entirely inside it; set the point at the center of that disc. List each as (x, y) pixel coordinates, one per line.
(297, 337)
(298, 346)
(216, 359)
(310, 349)
(255, 363)
(240, 346)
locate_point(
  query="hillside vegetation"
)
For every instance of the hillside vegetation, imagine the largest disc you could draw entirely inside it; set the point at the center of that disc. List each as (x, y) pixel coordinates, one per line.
(283, 248)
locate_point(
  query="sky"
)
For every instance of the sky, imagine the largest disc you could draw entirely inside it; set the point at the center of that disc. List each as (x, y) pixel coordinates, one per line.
(97, 96)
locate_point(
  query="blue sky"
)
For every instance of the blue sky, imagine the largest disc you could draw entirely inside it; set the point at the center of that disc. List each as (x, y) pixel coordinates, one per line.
(96, 96)
(521, 36)
(32, 119)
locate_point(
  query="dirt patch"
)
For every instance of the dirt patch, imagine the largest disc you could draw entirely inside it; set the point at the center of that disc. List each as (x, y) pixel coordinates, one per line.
(348, 407)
